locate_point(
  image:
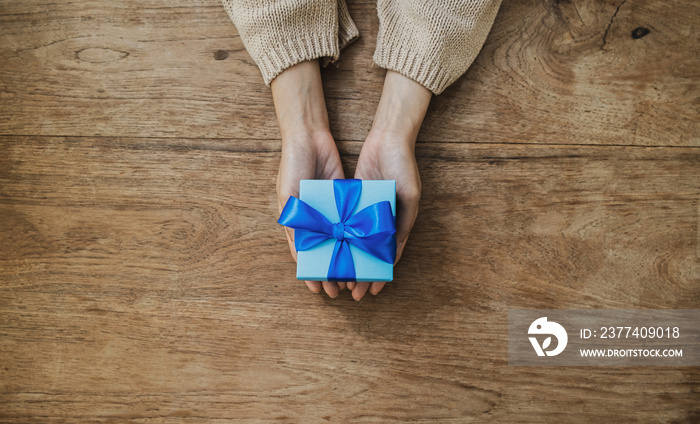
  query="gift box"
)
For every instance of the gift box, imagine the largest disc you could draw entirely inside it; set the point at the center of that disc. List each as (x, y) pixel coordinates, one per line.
(344, 230)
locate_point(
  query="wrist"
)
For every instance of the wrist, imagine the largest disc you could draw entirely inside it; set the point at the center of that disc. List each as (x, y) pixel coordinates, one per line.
(395, 128)
(304, 121)
(299, 103)
(391, 141)
(313, 140)
(402, 107)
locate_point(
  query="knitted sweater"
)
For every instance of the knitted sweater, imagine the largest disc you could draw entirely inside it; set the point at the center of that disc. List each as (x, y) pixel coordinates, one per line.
(431, 42)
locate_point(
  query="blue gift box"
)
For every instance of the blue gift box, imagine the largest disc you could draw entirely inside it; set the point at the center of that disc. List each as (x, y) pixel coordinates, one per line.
(359, 246)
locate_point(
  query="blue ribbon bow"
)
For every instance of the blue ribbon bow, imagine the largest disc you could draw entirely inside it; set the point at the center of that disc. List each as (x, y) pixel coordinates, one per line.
(372, 229)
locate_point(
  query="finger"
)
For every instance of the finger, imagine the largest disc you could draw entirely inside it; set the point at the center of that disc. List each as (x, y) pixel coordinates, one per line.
(335, 173)
(331, 289)
(341, 285)
(332, 167)
(406, 214)
(376, 287)
(290, 239)
(351, 285)
(399, 249)
(282, 199)
(314, 286)
(359, 291)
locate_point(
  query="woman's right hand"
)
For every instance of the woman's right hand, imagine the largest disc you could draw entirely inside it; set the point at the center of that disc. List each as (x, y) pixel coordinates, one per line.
(307, 157)
(308, 148)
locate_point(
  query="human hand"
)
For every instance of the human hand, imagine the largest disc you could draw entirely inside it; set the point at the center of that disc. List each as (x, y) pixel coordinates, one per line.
(391, 157)
(388, 154)
(308, 148)
(307, 157)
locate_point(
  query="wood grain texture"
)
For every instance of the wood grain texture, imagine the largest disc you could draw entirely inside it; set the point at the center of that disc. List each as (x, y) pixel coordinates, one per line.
(143, 277)
(551, 72)
(146, 280)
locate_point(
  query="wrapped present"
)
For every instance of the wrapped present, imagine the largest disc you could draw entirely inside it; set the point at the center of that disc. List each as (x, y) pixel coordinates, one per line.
(344, 230)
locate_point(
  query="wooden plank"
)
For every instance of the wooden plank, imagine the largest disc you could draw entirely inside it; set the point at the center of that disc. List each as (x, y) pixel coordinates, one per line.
(571, 72)
(146, 280)
(551, 72)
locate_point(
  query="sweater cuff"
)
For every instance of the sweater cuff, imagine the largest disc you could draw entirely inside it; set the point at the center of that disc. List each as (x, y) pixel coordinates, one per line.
(292, 51)
(432, 42)
(279, 34)
(424, 70)
(347, 32)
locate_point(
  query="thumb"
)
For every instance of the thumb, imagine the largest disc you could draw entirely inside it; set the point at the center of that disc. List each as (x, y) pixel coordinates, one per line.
(406, 214)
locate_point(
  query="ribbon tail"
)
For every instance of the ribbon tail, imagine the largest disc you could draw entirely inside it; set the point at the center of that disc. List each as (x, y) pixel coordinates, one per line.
(342, 267)
(382, 246)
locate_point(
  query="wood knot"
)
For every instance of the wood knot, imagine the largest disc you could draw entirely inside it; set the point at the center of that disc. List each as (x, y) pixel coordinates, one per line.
(220, 54)
(100, 55)
(639, 32)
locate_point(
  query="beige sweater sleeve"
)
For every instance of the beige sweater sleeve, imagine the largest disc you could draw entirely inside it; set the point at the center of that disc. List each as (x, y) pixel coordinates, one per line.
(430, 41)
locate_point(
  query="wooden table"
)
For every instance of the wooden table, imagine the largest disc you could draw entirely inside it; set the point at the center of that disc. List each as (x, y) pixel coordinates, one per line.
(144, 277)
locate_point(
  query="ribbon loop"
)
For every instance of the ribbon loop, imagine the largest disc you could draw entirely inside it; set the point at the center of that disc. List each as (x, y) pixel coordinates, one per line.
(373, 229)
